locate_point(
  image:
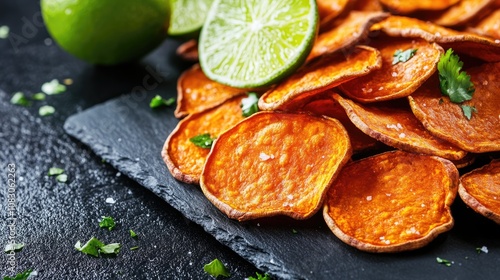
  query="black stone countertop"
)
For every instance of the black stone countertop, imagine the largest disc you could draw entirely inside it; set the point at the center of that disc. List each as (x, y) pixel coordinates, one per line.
(51, 216)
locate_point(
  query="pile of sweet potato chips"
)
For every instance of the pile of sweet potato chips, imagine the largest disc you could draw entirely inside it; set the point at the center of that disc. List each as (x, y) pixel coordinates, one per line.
(362, 130)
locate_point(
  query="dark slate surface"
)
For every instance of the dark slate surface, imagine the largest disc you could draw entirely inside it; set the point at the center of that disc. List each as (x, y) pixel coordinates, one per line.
(129, 135)
(52, 216)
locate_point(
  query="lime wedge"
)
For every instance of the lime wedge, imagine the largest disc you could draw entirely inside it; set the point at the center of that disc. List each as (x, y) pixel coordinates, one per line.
(187, 16)
(253, 43)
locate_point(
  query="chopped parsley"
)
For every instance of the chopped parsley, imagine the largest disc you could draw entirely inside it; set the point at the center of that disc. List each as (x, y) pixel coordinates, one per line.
(260, 277)
(16, 247)
(62, 178)
(203, 140)
(107, 222)
(132, 233)
(134, 248)
(46, 110)
(454, 83)
(483, 249)
(216, 268)
(19, 99)
(20, 276)
(95, 247)
(294, 231)
(249, 104)
(53, 171)
(403, 56)
(443, 261)
(4, 32)
(159, 101)
(53, 87)
(38, 96)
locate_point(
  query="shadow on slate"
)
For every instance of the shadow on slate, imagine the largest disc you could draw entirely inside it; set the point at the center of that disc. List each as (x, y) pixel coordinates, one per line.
(130, 135)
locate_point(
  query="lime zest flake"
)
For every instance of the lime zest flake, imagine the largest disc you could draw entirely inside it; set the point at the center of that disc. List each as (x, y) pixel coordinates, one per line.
(46, 110)
(159, 101)
(20, 99)
(53, 87)
(216, 268)
(107, 222)
(403, 56)
(4, 32)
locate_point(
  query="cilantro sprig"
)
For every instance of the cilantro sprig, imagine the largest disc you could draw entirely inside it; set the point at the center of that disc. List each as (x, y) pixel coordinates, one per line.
(216, 268)
(443, 261)
(249, 104)
(454, 82)
(107, 222)
(403, 56)
(203, 140)
(159, 101)
(95, 247)
(20, 276)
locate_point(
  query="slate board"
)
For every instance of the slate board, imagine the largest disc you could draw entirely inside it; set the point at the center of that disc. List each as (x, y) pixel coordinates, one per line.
(129, 135)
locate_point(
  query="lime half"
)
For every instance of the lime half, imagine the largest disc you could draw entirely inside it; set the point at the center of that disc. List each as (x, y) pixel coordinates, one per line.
(188, 16)
(253, 43)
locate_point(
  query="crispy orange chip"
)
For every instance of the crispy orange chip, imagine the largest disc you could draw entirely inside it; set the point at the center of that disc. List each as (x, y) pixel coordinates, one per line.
(480, 190)
(395, 125)
(353, 29)
(468, 43)
(184, 159)
(324, 104)
(398, 80)
(196, 92)
(489, 26)
(322, 74)
(446, 120)
(275, 164)
(188, 50)
(463, 12)
(392, 202)
(367, 5)
(406, 6)
(328, 10)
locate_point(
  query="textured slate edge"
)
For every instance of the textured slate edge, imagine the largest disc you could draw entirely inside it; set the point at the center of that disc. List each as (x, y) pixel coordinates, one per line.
(131, 168)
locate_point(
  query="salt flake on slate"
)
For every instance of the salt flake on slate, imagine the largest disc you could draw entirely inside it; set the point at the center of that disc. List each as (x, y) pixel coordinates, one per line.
(110, 200)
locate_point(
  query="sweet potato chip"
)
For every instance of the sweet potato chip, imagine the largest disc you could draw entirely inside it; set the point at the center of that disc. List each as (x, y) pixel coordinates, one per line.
(395, 125)
(275, 164)
(328, 10)
(480, 190)
(324, 104)
(468, 43)
(446, 120)
(184, 159)
(469, 159)
(353, 29)
(367, 5)
(392, 202)
(188, 50)
(406, 7)
(463, 12)
(398, 80)
(489, 26)
(322, 74)
(196, 92)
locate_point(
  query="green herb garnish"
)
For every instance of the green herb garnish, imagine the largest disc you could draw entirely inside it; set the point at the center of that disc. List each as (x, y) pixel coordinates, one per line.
(216, 268)
(107, 222)
(403, 56)
(53, 87)
(249, 104)
(53, 171)
(468, 110)
(454, 84)
(16, 247)
(203, 140)
(95, 247)
(19, 99)
(260, 277)
(4, 32)
(159, 101)
(38, 96)
(20, 276)
(134, 248)
(132, 233)
(443, 261)
(62, 178)
(46, 110)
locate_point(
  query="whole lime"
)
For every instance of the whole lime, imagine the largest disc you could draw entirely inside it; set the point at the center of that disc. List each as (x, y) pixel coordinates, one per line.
(107, 31)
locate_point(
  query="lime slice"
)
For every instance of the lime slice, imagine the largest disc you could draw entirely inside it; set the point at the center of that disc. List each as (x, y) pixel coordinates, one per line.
(188, 16)
(253, 43)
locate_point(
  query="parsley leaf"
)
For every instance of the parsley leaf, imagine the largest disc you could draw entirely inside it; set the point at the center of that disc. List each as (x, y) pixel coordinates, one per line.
(454, 84)
(38, 96)
(468, 110)
(53, 87)
(403, 56)
(443, 261)
(260, 277)
(62, 178)
(159, 101)
(134, 248)
(132, 233)
(216, 268)
(94, 247)
(19, 99)
(107, 222)
(46, 110)
(249, 104)
(16, 247)
(20, 276)
(55, 171)
(203, 140)
(113, 248)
